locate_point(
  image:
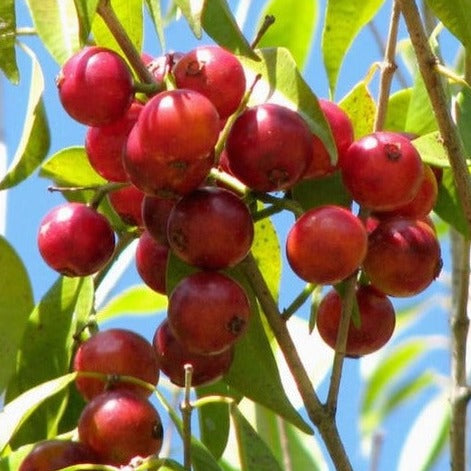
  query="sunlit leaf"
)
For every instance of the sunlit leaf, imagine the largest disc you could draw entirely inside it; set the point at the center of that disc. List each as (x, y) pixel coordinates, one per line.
(344, 20)
(16, 305)
(17, 411)
(192, 10)
(463, 117)
(293, 28)
(282, 83)
(156, 15)
(35, 141)
(57, 26)
(86, 10)
(397, 110)
(432, 150)
(12, 459)
(7, 41)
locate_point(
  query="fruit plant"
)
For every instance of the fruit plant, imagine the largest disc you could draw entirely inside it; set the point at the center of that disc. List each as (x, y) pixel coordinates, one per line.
(236, 266)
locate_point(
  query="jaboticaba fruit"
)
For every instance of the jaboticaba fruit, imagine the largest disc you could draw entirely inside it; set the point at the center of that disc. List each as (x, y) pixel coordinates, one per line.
(214, 72)
(376, 323)
(75, 240)
(326, 244)
(155, 213)
(210, 228)
(382, 171)
(115, 352)
(269, 147)
(95, 86)
(403, 256)
(127, 202)
(208, 312)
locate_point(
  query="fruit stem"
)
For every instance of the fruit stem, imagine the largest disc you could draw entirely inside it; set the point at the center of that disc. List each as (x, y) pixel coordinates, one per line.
(186, 409)
(302, 297)
(111, 379)
(205, 400)
(146, 88)
(388, 68)
(317, 413)
(281, 203)
(267, 22)
(229, 181)
(105, 10)
(103, 190)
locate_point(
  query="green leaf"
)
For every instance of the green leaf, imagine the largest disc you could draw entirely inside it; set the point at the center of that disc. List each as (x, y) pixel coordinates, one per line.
(282, 83)
(46, 351)
(432, 150)
(293, 28)
(463, 117)
(448, 205)
(86, 10)
(136, 300)
(156, 15)
(397, 110)
(361, 109)
(254, 453)
(35, 141)
(344, 20)
(7, 41)
(70, 167)
(57, 26)
(192, 11)
(454, 14)
(130, 15)
(17, 411)
(12, 460)
(201, 458)
(16, 305)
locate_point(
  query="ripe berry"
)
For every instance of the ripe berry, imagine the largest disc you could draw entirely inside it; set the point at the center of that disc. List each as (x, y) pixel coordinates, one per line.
(52, 455)
(127, 202)
(173, 356)
(208, 312)
(269, 147)
(155, 213)
(115, 352)
(403, 256)
(151, 262)
(120, 425)
(215, 73)
(382, 171)
(75, 240)
(105, 145)
(342, 132)
(377, 321)
(326, 244)
(95, 86)
(210, 228)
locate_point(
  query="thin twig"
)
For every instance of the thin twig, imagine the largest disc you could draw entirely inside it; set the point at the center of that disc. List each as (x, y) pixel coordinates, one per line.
(302, 297)
(186, 409)
(267, 22)
(284, 444)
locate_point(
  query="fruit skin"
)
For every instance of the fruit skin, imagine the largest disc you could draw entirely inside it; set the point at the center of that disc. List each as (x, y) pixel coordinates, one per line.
(105, 145)
(377, 316)
(160, 66)
(382, 171)
(210, 214)
(342, 132)
(173, 356)
(75, 240)
(52, 455)
(115, 352)
(151, 262)
(155, 213)
(269, 147)
(326, 244)
(208, 312)
(95, 86)
(120, 425)
(215, 73)
(127, 202)
(403, 256)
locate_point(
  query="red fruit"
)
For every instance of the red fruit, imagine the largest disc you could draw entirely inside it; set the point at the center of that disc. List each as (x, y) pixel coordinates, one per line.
(127, 202)
(210, 228)
(95, 86)
(161, 178)
(326, 244)
(342, 132)
(155, 213)
(120, 425)
(269, 147)
(377, 321)
(208, 312)
(75, 240)
(173, 356)
(151, 262)
(403, 256)
(115, 352)
(162, 65)
(52, 455)
(215, 73)
(105, 145)
(422, 203)
(382, 171)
